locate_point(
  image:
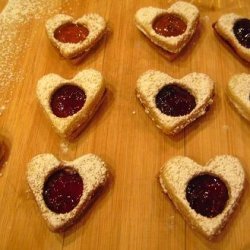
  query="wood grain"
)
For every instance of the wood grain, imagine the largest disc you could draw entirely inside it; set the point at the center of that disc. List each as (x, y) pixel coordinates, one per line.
(132, 213)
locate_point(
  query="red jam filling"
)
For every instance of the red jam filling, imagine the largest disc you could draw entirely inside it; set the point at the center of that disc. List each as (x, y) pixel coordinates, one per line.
(67, 100)
(207, 195)
(62, 190)
(241, 31)
(174, 100)
(169, 25)
(71, 33)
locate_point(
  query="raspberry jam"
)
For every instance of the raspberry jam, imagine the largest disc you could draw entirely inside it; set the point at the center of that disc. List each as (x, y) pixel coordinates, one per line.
(169, 25)
(241, 31)
(71, 33)
(207, 195)
(62, 190)
(67, 100)
(174, 100)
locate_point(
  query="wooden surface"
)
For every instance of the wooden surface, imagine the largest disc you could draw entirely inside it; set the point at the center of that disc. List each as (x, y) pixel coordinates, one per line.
(133, 213)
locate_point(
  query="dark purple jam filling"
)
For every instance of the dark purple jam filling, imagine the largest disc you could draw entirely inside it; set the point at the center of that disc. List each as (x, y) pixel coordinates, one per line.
(62, 190)
(67, 100)
(207, 195)
(174, 100)
(241, 31)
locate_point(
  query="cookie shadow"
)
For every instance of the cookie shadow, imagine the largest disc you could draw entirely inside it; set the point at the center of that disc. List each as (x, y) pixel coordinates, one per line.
(5, 147)
(92, 53)
(185, 52)
(99, 114)
(97, 202)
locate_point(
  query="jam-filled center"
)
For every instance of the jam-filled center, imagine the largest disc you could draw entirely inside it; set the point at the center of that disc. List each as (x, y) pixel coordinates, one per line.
(174, 100)
(207, 195)
(169, 25)
(67, 100)
(71, 33)
(241, 31)
(62, 190)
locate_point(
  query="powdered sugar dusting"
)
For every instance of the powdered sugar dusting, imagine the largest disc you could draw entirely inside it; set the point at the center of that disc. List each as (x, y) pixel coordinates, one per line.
(15, 15)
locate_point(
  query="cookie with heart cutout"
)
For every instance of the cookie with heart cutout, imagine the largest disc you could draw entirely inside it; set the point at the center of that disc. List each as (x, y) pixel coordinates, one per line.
(70, 104)
(235, 30)
(174, 103)
(238, 92)
(64, 189)
(207, 195)
(170, 29)
(72, 37)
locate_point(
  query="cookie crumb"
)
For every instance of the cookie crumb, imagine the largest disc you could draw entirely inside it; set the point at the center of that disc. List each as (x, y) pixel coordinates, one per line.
(1, 174)
(206, 19)
(64, 147)
(2, 108)
(133, 112)
(170, 222)
(225, 127)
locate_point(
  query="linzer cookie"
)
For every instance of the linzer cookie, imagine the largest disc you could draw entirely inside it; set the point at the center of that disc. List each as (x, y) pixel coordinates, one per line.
(235, 30)
(70, 104)
(171, 28)
(207, 195)
(174, 103)
(72, 37)
(64, 189)
(238, 91)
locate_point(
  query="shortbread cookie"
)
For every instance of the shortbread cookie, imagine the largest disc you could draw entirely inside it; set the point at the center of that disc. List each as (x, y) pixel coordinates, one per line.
(238, 91)
(174, 103)
(206, 195)
(172, 28)
(235, 30)
(70, 104)
(75, 37)
(64, 189)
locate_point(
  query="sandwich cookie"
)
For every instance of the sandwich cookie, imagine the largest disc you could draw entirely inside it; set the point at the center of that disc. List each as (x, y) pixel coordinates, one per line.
(64, 189)
(172, 28)
(74, 38)
(70, 104)
(235, 30)
(174, 103)
(207, 195)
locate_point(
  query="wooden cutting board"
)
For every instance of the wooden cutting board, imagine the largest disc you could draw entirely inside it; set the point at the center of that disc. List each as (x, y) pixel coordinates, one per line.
(133, 213)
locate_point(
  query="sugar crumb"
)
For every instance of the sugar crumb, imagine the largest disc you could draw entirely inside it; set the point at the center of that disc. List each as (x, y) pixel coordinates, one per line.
(225, 127)
(2, 108)
(64, 146)
(206, 19)
(170, 222)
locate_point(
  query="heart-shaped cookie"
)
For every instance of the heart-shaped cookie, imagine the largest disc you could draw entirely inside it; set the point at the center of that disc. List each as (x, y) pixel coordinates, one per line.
(64, 189)
(74, 38)
(238, 91)
(172, 28)
(70, 104)
(206, 195)
(174, 103)
(235, 30)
